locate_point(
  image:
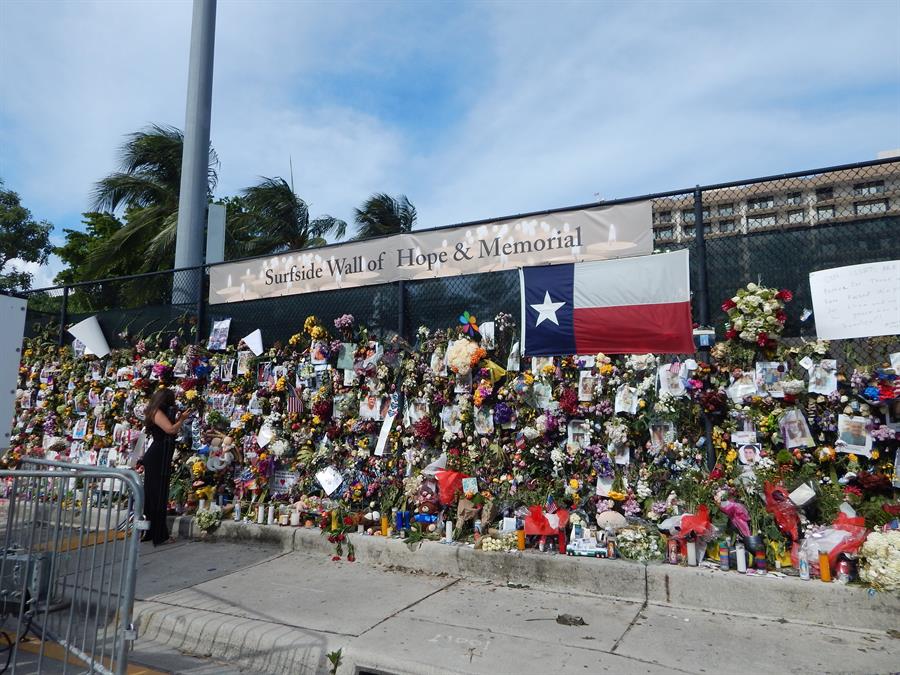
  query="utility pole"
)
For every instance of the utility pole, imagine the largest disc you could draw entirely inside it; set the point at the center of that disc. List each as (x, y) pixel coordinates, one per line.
(192, 199)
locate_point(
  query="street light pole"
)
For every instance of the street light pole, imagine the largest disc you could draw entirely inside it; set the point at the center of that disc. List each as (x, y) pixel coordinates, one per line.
(192, 199)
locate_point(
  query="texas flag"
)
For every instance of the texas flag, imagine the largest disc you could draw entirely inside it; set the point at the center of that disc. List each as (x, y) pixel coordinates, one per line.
(626, 306)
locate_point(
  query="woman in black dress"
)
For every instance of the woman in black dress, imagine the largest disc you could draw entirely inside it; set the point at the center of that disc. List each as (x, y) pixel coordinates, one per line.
(163, 426)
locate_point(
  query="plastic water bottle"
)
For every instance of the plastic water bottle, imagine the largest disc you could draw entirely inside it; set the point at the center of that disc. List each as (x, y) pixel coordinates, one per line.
(803, 564)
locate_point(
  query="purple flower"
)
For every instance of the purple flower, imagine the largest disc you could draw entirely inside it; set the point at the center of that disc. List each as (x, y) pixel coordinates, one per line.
(631, 507)
(344, 322)
(502, 413)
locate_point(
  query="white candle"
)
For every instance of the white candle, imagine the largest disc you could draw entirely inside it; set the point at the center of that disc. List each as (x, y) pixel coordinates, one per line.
(692, 553)
(449, 531)
(741, 554)
(202, 506)
(270, 519)
(260, 514)
(295, 518)
(237, 511)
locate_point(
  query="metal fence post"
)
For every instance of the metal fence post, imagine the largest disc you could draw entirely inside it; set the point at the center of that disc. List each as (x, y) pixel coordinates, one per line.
(201, 301)
(401, 308)
(703, 308)
(702, 274)
(63, 316)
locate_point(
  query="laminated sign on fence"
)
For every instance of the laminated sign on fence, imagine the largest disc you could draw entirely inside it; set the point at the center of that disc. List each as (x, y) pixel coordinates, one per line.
(857, 300)
(596, 233)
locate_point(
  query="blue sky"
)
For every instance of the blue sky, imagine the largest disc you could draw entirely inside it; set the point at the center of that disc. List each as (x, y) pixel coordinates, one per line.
(472, 109)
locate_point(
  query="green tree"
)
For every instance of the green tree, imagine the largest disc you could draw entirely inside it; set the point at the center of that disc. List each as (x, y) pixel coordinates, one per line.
(382, 214)
(21, 238)
(269, 217)
(146, 187)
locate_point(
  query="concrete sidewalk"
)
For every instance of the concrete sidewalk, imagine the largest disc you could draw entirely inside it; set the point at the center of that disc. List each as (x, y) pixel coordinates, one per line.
(702, 588)
(281, 611)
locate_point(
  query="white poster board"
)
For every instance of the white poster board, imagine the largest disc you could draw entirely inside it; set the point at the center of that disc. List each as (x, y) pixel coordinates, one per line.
(857, 301)
(12, 328)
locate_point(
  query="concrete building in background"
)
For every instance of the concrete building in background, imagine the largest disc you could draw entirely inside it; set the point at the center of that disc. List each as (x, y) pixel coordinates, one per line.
(792, 203)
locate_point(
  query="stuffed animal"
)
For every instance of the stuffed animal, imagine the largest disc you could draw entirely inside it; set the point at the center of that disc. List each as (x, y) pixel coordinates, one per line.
(427, 497)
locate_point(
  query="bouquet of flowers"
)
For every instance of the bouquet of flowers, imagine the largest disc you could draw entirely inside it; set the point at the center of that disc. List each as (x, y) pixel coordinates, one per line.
(636, 542)
(881, 560)
(463, 355)
(756, 314)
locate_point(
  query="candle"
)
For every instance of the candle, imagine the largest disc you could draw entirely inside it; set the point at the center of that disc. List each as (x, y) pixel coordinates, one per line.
(260, 514)
(334, 521)
(202, 506)
(741, 555)
(359, 528)
(270, 517)
(283, 519)
(723, 556)
(295, 518)
(384, 525)
(237, 511)
(561, 541)
(520, 540)
(761, 564)
(824, 567)
(398, 520)
(449, 531)
(692, 553)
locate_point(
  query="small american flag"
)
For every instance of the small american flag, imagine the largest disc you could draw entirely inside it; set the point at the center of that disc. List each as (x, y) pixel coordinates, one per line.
(550, 506)
(294, 402)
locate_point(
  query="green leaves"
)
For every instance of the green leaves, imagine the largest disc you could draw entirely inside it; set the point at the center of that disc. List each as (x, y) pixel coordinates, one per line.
(21, 237)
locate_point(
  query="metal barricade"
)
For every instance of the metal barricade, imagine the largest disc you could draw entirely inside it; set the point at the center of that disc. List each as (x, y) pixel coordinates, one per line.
(68, 567)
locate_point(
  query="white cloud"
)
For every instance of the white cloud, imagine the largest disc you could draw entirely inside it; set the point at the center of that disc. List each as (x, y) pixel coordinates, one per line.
(42, 275)
(559, 101)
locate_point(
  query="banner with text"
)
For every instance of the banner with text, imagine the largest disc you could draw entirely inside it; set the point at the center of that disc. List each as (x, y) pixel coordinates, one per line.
(597, 233)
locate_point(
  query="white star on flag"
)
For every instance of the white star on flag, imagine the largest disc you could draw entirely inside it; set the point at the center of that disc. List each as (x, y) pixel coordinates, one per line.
(547, 310)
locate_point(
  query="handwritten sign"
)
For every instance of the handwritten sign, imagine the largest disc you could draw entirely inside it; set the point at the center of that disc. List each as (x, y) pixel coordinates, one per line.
(857, 301)
(281, 482)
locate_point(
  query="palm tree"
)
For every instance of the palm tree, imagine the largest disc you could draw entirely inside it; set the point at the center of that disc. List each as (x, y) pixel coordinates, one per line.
(146, 188)
(382, 214)
(272, 218)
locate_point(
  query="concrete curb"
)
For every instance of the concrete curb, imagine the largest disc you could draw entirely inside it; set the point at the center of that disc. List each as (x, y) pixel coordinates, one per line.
(658, 584)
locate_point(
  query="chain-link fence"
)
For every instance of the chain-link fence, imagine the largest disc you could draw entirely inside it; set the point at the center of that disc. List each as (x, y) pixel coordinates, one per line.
(773, 231)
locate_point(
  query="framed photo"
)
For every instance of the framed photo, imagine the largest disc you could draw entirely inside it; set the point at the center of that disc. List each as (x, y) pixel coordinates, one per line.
(586, 383)
(538, 363)
(769, 377)
(626, 400)
(226, 370)
(416, 409)
(620, 452)
(370, 407)
(349, 377)
(463, 383)
(543, 395)
(346, 355)
(484, 421)
(579, 433)
(439, 361)
(743, 386)
(749, 453)
(662, 432)
(892, 415)
(80, 429)
(451, 420)
(823, 377)
(795, 431)
(181, 368)
(853, 437)
(218, 337)
(670, 380)
(243, 362)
